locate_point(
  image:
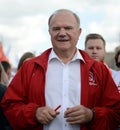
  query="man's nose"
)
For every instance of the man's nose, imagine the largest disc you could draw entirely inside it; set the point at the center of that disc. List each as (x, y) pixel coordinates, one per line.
(62, 32)
(94, 50)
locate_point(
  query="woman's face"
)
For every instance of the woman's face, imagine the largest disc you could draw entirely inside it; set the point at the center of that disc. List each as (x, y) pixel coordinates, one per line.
(119, 58)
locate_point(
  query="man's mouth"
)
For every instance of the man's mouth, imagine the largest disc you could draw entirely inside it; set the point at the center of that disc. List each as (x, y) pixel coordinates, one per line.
(63, 40)
(95, 57)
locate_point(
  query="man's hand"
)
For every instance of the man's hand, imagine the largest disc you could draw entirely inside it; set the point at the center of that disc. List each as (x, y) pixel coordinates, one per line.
(78, 115)
(44, 115)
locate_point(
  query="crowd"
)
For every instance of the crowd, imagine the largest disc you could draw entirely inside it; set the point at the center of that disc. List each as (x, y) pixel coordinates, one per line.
(64, 88)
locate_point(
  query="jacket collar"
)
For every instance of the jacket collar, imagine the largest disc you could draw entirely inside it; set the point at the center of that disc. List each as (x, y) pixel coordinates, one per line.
(42, 60)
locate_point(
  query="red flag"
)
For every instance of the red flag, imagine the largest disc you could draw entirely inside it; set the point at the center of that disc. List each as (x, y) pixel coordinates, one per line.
(2, 54)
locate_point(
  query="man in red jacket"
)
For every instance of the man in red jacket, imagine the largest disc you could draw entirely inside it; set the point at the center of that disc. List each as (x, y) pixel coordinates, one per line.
(95, 47)
(63, 88)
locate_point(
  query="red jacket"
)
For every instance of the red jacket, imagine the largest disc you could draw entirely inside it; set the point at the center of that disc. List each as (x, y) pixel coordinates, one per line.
(26, 93)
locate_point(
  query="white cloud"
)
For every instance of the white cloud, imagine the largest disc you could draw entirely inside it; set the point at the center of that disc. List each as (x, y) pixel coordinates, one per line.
(23, 23)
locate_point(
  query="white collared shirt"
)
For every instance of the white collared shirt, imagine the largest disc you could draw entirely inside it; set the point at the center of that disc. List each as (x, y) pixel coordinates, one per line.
(63, 87)
(116, 78)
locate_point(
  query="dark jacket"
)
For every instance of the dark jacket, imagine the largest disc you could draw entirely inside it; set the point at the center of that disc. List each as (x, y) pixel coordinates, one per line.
(4, 124)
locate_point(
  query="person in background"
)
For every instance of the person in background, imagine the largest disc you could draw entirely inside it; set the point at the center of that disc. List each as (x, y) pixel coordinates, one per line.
(7, 67)
(4, 78)
(63, 88)
(117, 59)
(24, 57)
(95, 47)
(4, 124)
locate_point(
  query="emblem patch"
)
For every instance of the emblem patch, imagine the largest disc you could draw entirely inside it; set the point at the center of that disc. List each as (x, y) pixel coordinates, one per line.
(92, 81)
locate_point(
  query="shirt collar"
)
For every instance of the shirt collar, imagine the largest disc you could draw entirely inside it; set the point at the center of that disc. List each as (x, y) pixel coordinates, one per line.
(77, 56)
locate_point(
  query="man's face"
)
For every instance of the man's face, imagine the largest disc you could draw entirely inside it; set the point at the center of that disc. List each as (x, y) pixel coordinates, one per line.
(9, 73)
(64, 31)
(95, 49)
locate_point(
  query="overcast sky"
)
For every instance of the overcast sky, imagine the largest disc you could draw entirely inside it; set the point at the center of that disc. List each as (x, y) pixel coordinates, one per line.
(23, 23)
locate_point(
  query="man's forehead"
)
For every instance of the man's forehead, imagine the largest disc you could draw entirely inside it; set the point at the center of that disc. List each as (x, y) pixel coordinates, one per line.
(95, 41)
(63, 16)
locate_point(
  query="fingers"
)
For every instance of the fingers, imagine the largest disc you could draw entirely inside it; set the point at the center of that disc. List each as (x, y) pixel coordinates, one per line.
(45, 114)
(74, 115)
(78, 114)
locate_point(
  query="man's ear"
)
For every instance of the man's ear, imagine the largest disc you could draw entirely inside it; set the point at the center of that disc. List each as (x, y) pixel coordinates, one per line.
(80, 31)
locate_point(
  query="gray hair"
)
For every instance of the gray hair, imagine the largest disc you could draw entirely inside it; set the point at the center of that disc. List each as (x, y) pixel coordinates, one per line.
(61, 10)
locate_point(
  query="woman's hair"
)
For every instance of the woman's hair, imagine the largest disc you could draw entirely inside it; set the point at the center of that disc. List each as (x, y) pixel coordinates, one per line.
(116, 58)
(24, 57)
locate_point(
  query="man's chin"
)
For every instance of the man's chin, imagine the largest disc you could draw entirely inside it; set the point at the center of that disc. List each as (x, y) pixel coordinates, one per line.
(96, 58)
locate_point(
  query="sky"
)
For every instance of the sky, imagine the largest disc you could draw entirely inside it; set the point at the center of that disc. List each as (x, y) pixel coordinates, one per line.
(24, 27)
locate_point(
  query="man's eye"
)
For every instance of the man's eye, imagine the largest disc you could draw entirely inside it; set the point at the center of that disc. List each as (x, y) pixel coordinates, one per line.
(99, 48)
(55, 29)
(90, 48)
(68, 28)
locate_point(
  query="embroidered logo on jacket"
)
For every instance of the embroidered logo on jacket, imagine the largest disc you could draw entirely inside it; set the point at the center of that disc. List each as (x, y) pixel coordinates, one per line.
(92, 80)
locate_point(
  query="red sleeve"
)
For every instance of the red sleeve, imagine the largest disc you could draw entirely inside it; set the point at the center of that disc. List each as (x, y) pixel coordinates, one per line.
(16, 106)
(107, 112)
(104, 119)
